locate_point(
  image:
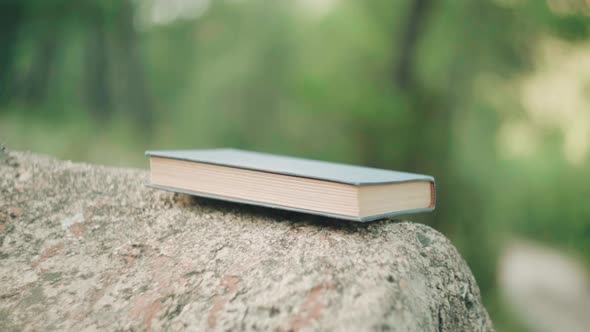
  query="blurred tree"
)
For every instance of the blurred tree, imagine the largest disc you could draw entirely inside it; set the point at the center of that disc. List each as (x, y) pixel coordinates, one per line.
(11, 19)
(112, 56)
(44, 24)
(131, 71)
(411, 32)
(98, 89)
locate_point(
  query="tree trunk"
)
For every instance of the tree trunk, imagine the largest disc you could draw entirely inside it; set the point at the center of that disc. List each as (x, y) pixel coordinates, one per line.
(11, 17)
(411, 33)
(98, 91)
(133, 74)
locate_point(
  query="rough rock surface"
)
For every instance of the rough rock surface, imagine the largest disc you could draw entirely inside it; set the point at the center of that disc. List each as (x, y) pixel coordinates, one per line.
(86, 247)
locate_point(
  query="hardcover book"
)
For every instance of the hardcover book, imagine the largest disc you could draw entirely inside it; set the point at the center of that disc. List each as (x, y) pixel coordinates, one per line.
(303, 185)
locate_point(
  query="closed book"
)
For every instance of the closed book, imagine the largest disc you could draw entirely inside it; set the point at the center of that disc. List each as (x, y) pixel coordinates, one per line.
(310, 186)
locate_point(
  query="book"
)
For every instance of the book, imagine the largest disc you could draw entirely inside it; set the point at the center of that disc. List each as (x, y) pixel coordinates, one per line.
(303, 185)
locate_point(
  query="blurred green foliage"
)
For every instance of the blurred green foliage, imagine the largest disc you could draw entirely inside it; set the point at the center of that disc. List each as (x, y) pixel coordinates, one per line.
(417, 85)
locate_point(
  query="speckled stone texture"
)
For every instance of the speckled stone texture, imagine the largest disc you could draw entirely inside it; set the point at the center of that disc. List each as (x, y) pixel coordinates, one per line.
(85, 247)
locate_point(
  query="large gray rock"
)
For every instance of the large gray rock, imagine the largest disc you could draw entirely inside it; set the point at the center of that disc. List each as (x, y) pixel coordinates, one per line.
(86, 247)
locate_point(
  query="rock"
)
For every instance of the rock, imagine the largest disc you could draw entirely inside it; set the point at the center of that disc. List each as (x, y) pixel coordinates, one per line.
(92, 248)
